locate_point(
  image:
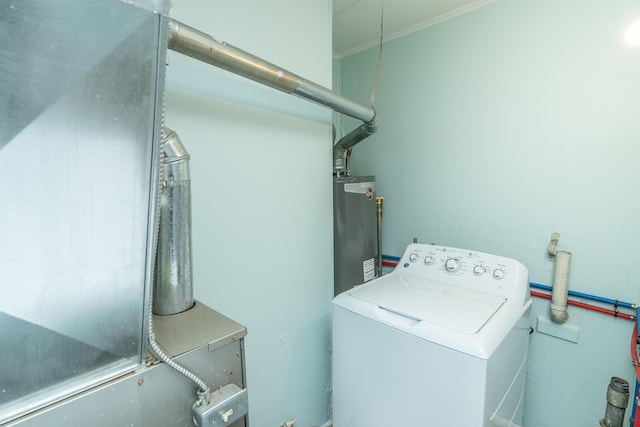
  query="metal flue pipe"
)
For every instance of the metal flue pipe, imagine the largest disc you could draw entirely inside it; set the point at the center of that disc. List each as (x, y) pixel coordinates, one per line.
(173, 285)
(198, 45)
(349, 140)
(201, 46)
(617, 401)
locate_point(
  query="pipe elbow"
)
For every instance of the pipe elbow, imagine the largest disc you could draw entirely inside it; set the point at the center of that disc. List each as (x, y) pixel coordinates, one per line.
(558, 313)
(348, 141)
(372, 125)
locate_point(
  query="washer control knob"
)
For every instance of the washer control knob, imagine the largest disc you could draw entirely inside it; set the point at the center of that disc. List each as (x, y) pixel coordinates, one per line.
(452, 265)
(479, 270)
(498, 273)
(429, 260)
(413, 257)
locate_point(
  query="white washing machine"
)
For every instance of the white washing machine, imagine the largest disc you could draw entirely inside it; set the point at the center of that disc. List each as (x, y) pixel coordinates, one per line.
(440, 341)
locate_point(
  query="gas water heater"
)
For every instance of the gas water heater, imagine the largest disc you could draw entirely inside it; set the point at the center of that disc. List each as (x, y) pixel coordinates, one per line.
(354, 231)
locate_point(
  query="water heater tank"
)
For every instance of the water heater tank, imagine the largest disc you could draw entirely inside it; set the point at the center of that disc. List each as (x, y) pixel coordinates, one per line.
(354, 231)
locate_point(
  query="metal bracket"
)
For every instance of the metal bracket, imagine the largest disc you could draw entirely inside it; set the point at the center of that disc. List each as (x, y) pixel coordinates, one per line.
(553, 242)
(228, 404)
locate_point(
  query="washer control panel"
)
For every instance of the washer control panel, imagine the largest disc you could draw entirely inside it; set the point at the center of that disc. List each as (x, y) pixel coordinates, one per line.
(463, 268)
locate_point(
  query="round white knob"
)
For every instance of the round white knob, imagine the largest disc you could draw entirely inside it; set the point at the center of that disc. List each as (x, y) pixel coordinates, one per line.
(429, 260)
(498, 273)
(478, 270)
(452, 265)
(413, 257)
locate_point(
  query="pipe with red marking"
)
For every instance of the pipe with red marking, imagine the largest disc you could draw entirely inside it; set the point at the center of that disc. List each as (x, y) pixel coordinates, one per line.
(390, 261)
(588, 307)
(636, 367)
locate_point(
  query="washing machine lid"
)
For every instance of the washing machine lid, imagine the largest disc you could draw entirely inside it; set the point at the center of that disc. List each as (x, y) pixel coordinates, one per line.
(453, 307)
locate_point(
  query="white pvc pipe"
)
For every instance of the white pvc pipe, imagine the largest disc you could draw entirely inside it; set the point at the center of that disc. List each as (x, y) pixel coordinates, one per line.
(559, 313)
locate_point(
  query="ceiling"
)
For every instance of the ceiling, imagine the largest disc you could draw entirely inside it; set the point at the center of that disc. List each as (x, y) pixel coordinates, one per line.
(356, 23)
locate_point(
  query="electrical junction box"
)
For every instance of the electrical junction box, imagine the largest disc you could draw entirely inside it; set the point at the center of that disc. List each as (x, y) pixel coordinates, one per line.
(228, 404)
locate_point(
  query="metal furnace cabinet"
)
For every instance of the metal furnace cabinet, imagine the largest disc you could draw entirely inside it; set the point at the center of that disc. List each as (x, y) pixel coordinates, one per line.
(200, 339)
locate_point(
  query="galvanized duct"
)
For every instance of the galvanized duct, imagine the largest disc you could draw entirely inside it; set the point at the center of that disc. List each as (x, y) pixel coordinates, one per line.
(203, 47)
(173, 287)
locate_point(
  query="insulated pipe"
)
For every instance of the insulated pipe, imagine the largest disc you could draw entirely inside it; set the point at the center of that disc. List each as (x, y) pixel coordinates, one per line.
(617, 401)
(558, 306)
(201, 46)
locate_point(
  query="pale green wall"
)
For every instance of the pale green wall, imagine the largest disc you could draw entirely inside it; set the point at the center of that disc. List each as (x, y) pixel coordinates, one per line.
(500, 127)
(261, 190)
